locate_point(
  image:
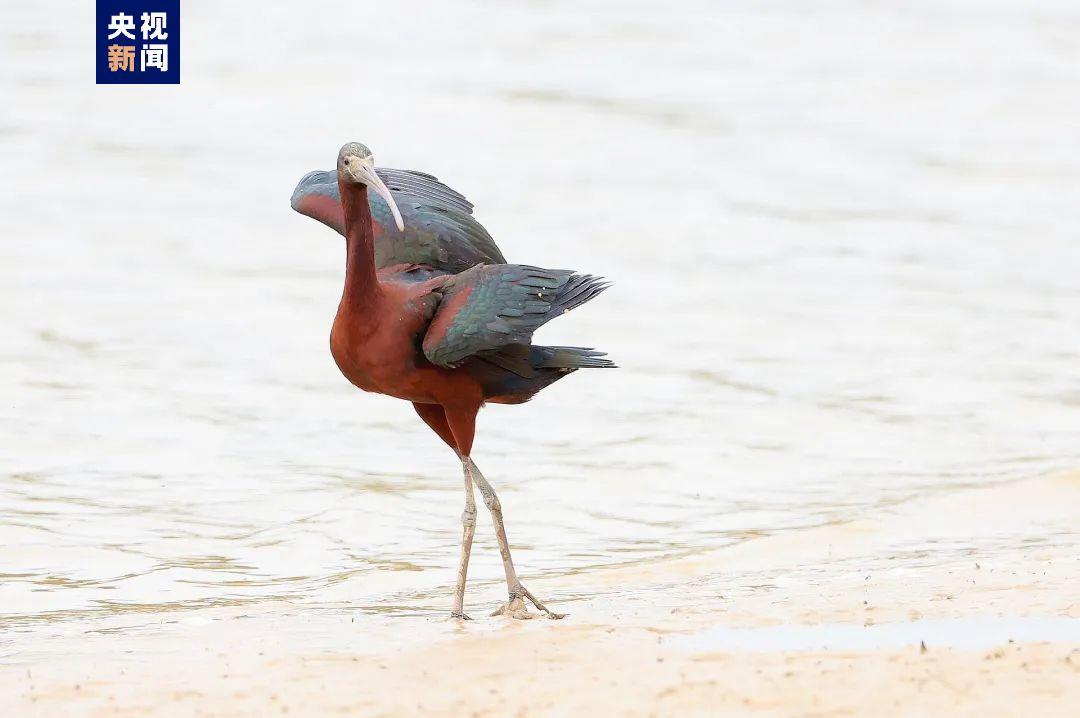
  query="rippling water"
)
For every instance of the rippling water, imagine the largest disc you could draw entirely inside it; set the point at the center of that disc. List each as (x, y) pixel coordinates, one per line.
(844, 242)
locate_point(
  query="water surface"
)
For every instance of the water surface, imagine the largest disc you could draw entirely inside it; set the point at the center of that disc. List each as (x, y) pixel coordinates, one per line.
(843, 241)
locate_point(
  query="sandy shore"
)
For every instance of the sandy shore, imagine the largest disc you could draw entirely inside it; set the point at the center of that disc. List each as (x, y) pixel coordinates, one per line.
(977, 590)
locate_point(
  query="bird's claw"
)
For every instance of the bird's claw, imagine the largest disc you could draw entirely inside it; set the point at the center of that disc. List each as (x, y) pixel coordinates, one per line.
(459, 615)
(516, 608)
(541, 607)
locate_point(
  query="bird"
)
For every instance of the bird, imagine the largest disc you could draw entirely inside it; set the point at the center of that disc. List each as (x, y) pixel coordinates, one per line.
(432, 313)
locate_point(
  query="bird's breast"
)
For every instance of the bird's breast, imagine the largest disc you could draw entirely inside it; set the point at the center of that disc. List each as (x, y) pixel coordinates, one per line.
(378, 356)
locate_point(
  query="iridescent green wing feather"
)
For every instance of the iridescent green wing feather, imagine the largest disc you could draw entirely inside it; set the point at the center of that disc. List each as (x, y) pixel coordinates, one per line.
(440, 230)
(490, 307)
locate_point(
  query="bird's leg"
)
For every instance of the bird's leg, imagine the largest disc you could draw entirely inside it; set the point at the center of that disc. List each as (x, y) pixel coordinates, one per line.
(468, 523)
(435, 416)
(515, 607)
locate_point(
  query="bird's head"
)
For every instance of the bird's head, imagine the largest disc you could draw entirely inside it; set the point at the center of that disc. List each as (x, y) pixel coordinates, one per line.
(356, 165)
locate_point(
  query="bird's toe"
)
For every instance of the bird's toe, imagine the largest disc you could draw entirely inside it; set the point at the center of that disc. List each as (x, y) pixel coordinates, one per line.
(514, 608)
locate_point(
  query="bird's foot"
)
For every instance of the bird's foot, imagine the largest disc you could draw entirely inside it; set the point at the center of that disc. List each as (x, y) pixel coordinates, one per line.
(541, 607)
(516, 608)
(459, 616)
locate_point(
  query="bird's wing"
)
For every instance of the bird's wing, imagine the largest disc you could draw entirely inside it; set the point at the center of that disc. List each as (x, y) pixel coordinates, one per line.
(440, 230)
(490, 307)
(426, 187)
(317, 196)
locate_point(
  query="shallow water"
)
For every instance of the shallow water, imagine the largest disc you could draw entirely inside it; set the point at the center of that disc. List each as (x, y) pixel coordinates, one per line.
(843, 241)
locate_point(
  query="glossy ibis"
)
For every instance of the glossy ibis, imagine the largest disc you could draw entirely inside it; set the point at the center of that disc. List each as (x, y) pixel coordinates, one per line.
(431, 313)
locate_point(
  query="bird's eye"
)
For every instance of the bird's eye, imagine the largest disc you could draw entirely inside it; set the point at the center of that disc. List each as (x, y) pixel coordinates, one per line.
(347, 159)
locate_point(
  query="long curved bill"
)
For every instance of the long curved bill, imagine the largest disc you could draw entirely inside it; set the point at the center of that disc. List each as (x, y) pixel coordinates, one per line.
(372, 180)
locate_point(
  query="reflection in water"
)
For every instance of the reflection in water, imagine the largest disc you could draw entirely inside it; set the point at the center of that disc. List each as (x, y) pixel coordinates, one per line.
(844, 277)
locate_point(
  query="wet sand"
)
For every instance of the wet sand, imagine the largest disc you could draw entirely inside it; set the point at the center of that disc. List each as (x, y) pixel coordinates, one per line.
(712, 633)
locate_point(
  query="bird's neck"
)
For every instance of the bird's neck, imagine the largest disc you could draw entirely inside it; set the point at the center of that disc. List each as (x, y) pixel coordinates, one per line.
(361, 281)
